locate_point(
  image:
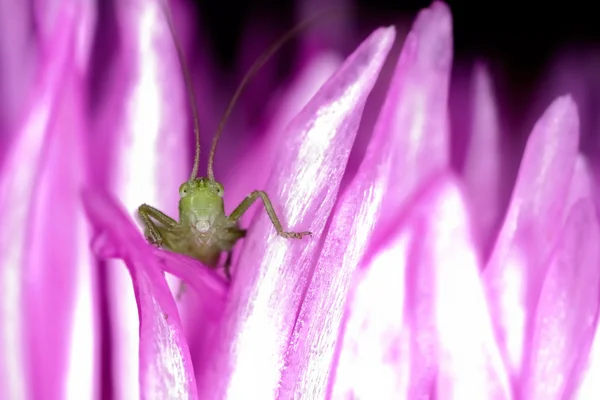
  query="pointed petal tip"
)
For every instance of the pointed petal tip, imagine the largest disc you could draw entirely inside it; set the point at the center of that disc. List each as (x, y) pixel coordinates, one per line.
(562, 115)
(384, 34)
(437, 12)
(433, 30)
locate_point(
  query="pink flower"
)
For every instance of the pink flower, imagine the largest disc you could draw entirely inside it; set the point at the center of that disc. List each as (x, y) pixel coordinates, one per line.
(424, 278)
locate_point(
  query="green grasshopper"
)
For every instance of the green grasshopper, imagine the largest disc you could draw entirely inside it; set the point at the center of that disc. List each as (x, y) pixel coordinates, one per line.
(203, 230)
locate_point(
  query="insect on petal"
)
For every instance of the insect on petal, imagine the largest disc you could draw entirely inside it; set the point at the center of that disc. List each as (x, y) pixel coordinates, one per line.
(270, 278)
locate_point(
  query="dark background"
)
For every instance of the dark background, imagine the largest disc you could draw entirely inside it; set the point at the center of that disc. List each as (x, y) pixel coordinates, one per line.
(520, 37)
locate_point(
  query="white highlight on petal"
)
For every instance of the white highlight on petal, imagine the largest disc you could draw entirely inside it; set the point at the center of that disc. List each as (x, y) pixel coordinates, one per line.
(16, 191)
(81, 375)
(514, 314)
(374, 355)
(590, 384)
(470, 362)
(136, 185)
(261, 341)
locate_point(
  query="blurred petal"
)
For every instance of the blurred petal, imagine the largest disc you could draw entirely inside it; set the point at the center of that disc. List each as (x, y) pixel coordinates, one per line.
(566, 316)
(535, 217)
(18, 56)
(311, 351)
(45, 262)
(143, 137)
(165, 367)
(416, 110)
(485, 170)
(268, 285)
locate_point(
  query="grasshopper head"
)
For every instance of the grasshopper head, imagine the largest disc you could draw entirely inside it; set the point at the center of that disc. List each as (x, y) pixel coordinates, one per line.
(201, 203)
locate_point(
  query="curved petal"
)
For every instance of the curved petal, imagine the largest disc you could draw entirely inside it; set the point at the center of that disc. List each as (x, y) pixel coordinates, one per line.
(165, 367)
(48, 292)
(486, 172)
(266, 289)
(416, 110)
(535, 216)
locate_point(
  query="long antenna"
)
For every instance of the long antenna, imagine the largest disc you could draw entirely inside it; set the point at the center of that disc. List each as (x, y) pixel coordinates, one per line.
(253, 70)
(188, 85)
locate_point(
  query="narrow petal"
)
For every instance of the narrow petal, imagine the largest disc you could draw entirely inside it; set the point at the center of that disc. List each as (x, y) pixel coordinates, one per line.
(165, 366)
(271, 276)
(140, 132)
(419, 119)
(470, 365)
(566, 316)
(31, 195)
(311, 352)
(536, 214)
(485, 170)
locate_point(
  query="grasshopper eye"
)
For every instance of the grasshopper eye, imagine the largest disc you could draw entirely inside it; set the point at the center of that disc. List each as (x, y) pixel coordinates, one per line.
(183, 190)
(219, 188)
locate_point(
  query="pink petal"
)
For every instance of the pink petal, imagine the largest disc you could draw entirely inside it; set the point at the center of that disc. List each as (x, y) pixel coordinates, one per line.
(18, 56)
(141, 151)
(419, 119)
(535, 216)
(485, 170)
(268, 284)
(420, 306)
(48, 338)
(566, 316)
(311, 352)
(470, 365)
(165, 367)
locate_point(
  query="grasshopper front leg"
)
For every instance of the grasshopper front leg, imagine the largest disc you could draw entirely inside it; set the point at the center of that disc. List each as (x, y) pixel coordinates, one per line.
(248, 201)
(147, 214)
